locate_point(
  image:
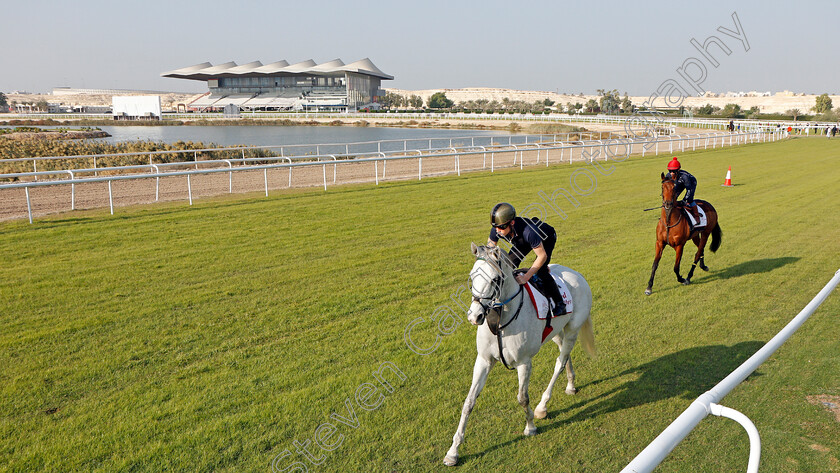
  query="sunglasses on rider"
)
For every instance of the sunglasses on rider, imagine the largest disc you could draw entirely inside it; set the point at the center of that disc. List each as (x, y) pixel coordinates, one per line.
(502, 226)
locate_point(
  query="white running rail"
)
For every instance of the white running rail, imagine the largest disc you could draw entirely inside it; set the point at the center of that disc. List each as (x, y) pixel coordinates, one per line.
(707, 403)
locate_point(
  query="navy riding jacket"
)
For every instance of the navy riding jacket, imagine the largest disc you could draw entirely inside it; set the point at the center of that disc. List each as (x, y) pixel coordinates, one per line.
(687, 182)
(528, 234)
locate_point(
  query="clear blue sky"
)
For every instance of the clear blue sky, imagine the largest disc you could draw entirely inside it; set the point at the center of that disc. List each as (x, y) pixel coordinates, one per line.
(541, 45)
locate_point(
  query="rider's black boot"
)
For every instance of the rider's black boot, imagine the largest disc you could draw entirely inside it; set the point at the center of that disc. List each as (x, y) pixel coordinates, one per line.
(559, 308)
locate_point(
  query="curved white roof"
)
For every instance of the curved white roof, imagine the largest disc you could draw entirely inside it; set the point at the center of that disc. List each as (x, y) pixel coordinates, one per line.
(331, 66)
(302, 66)
(245, 68)
(206, 70)
(271, 68)
(365, 66)
(218, 69)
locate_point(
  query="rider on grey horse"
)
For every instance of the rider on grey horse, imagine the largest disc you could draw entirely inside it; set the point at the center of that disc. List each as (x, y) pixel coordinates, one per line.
(525, 235)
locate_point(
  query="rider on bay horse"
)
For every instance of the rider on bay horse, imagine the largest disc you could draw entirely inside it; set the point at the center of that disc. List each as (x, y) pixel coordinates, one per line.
(686, 181)
(525, 235)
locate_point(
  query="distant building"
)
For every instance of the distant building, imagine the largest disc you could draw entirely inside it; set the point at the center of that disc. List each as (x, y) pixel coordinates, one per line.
(74, 91)
(306, 85)
(136, 107)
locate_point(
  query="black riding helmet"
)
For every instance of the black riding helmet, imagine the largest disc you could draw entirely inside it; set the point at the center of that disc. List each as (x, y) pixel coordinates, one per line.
(502, 213)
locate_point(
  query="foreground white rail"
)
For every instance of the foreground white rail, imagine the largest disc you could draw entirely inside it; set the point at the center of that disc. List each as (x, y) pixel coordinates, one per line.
(706, 404)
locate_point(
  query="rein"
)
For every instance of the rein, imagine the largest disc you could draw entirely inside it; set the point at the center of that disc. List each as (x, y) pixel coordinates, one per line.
(515, 315)
(669, 217)
(668, 210)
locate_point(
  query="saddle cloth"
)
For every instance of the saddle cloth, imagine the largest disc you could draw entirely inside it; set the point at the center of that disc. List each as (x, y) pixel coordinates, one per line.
(541, 302)
(702, 217)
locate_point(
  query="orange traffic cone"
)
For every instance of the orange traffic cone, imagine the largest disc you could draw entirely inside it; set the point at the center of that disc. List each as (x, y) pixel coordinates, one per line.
(728, 181)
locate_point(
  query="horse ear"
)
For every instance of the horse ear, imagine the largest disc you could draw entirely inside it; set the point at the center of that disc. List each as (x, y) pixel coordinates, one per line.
(662, 176)
(475, 249)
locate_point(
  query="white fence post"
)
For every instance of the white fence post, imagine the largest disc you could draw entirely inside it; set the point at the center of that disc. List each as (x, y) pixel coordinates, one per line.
(72, 192)
(752, 432)
(157, 182)
(110, 198)
(28, 205)
(189, 188)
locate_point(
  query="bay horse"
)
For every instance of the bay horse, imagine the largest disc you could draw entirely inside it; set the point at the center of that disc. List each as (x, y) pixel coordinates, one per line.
(499, 299)
(674, 230)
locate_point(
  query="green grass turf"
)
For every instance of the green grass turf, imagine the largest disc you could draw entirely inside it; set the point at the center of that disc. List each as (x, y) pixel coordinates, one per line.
(212, 337)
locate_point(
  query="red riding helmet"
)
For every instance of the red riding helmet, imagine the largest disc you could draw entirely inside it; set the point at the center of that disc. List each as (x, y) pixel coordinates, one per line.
(674, 165)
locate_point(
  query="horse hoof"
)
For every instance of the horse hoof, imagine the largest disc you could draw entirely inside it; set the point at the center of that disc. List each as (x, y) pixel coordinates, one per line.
(540, 413)
(686, 282)
(704, 267)
(530, 432)
(450, 460)
(571, 391)
(648, 292)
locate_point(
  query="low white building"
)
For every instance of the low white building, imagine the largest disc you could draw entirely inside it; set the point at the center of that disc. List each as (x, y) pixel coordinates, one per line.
(136, 107)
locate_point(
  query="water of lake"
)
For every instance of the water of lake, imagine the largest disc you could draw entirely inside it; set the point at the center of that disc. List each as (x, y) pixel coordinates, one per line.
(290, 136)
(282, 135)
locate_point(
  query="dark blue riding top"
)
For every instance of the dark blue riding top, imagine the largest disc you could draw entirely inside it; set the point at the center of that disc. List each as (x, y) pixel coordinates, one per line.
(527, 234)
(688, 182)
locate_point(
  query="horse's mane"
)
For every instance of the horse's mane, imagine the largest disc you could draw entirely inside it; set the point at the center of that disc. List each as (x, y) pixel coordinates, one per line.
(495, 256)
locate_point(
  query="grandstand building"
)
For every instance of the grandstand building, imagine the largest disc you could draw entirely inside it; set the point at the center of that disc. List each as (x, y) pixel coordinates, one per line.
(306, 85)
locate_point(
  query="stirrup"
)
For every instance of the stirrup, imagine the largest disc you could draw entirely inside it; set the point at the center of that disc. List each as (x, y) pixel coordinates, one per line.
(559, 309)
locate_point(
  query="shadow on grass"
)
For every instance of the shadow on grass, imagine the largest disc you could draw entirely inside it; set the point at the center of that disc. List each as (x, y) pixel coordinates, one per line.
(748, 267)
(685, 374)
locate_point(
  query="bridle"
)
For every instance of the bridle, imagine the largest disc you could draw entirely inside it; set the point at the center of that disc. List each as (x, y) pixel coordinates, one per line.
(486, 302)
(669, 205)
(495, 303)
(494, 299)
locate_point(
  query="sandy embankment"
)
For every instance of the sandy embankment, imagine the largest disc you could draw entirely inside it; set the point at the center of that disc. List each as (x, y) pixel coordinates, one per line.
(776, 103)
(167, 101)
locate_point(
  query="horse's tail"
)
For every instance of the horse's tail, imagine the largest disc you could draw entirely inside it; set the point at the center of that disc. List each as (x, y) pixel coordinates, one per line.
(717, 236)
(587, 337)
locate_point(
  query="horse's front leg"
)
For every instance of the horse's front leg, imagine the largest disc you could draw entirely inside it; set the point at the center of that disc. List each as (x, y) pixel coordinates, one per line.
(657, 256)
(542, 408)
(677, 263)
(563, 360)
(480, 372)
(524, 372)
(700, 241)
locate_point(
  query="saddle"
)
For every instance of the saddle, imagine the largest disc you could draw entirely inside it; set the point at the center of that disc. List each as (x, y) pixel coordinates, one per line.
(692, 221)
(541, 300)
